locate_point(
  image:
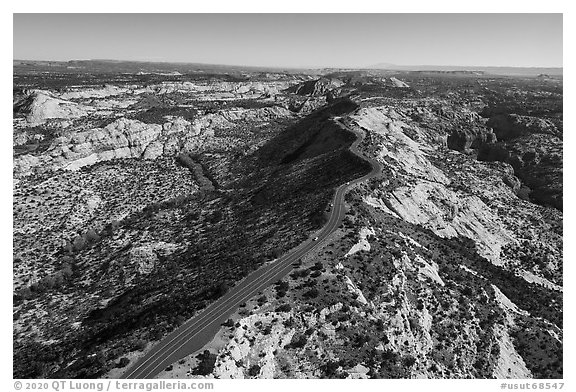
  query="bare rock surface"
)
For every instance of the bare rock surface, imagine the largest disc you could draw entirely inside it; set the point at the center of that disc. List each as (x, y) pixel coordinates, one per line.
(128, 138)
(40, 106)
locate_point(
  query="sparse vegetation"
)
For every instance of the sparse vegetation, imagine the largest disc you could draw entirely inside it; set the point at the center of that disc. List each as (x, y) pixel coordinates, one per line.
(119, 253)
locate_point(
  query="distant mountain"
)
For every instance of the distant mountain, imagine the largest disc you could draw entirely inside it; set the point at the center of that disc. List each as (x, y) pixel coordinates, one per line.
(110, 65)
(515, 71)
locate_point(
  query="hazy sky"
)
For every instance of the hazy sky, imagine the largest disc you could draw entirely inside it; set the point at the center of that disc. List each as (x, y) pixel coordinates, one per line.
(295, 40)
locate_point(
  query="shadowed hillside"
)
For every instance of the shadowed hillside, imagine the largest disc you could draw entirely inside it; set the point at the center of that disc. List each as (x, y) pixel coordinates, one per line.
(210, 239)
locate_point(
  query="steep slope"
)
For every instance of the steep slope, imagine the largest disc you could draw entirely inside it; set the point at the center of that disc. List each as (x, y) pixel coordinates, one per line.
(533, 147)
(38, 106)
(129, 138)
(159, 266)
(432, 275)
(315, 87)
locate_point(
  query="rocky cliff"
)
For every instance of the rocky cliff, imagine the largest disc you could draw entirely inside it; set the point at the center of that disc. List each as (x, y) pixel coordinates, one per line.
(128, 138)
(316, 87)
(38, 106)
(534, 148)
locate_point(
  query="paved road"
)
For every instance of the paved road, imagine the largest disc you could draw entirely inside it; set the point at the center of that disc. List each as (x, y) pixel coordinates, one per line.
(200, 329)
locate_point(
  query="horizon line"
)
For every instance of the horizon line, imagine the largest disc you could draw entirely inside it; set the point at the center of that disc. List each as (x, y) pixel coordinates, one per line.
(368, 67)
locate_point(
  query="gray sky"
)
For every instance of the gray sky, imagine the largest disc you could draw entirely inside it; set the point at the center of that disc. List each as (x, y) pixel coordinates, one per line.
(295, 40)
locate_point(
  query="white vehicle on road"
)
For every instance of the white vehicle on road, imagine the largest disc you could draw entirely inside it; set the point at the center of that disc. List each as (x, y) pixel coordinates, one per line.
(315, 239)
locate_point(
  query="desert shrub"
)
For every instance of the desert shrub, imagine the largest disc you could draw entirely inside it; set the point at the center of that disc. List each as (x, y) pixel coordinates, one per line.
(329, 369)
(281, 288)
(289, 323)
(298, 341)
(206, 365)
(300, 273)
(409, 361)
(221, 289)
(312, 293)
(138, 345)
(78, 243)
(254, 370)
(91, 236)
(284, 308)
(229, 323)
(123, 362)
(317, 266)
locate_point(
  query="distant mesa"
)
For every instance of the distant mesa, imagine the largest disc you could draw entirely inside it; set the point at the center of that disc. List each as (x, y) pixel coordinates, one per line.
(453, 72)
(335, 82)
(545, 76)
(173, 73)
(471, 70)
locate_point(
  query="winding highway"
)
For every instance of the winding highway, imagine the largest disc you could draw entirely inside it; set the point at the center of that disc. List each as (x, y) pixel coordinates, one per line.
(200, 329)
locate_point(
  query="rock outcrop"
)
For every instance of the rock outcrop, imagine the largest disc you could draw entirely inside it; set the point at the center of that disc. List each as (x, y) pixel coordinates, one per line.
(428, 197)
(534, 148)
(39, 106)
(106, 91)
(128, 138)
(315, 87)
(398, 83)
(212, 89)
(511, 126)
(121, 139)
(464, 139)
